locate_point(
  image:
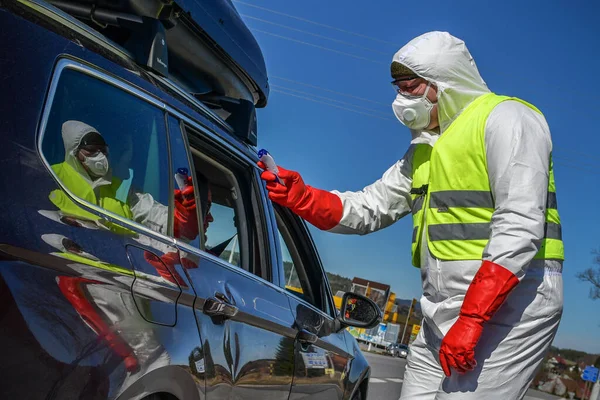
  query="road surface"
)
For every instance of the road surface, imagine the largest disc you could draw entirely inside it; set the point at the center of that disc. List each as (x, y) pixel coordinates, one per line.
(387, 375)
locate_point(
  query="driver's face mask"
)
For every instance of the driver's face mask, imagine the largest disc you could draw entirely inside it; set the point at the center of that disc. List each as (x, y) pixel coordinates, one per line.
(97, 164)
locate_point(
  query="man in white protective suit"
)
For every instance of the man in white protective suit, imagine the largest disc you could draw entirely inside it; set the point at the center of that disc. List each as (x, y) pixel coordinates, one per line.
(479, 182)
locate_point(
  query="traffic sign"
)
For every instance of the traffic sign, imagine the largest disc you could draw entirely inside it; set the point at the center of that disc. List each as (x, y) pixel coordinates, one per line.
(415, 329)
(590, 374)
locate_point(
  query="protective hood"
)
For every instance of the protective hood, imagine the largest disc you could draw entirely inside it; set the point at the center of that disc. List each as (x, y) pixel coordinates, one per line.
(445, 61)
(72, 133)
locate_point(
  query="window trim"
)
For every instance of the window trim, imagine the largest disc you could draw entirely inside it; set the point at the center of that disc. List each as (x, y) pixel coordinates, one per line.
(267, 217)
(171, 205)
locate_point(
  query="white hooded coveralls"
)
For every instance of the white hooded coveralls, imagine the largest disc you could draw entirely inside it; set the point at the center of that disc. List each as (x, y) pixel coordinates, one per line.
(518, 147)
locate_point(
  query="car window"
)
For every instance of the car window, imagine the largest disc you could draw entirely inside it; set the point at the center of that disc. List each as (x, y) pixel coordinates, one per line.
(303, 277)
(228, 227)
(108, 148)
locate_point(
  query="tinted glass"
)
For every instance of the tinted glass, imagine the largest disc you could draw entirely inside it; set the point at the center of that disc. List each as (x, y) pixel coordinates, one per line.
(109, 148)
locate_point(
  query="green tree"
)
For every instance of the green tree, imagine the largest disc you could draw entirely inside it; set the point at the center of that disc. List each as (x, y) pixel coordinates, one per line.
(339, 283)
(572, 355)
(284, 358)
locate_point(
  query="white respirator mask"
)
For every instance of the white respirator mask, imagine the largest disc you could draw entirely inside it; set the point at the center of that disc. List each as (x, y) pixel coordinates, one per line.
(97, 165)
(413, 111)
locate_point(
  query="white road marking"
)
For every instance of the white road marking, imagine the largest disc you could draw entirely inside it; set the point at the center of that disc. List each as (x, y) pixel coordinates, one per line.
(397, 380)
(386, 380)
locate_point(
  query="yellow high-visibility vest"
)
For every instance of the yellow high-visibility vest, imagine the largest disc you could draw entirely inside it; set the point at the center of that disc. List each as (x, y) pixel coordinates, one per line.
(451, 192)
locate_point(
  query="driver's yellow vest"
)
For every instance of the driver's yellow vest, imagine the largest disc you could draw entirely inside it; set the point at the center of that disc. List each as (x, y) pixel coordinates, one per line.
(452, 198)
(107, 197)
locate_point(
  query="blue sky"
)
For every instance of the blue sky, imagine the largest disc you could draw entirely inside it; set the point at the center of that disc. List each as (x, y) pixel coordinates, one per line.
(543, 52)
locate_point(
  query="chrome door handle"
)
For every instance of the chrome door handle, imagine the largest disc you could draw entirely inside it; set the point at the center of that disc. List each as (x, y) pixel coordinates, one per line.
(219, 306)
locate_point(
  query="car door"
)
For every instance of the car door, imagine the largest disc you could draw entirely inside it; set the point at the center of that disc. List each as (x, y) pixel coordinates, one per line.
(244, 319)
(95, 308)
(322, 358)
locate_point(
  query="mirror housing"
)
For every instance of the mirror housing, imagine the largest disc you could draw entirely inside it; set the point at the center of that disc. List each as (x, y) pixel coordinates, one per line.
(359, 311)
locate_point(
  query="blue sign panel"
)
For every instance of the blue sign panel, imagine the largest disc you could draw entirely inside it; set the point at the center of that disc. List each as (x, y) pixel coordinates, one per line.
(590, 374)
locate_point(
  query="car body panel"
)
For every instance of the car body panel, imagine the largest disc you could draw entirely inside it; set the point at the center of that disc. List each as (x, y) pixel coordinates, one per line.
(92, 310)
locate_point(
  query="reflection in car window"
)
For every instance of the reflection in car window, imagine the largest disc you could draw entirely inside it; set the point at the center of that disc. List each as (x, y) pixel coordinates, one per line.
(359, 310)
(108, 148)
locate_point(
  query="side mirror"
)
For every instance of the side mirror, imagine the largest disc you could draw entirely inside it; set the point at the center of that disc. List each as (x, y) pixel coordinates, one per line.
(359, 311)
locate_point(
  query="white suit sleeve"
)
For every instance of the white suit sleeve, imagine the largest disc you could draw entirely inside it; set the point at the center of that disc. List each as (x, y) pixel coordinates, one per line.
(379, 204)
(149, 212)
(518, 147)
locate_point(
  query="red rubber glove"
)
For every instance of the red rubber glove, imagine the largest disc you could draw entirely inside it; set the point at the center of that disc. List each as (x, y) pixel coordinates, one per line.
(319, 207)
(71, 288)
(488, 290)
(165, 266)
(185, 216)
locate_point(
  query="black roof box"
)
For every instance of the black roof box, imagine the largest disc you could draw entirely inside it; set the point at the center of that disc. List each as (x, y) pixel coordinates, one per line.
(221, 21)
(204, 45)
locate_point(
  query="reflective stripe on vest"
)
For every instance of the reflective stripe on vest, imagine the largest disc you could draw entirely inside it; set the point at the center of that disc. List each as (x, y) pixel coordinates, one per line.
(458, 206)
(479, 231)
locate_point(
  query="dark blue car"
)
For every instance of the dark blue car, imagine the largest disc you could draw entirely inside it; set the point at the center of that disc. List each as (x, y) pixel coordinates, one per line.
(140, 257)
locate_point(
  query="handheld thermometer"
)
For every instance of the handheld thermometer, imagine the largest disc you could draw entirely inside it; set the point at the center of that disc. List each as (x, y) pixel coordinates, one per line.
(269, 162)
